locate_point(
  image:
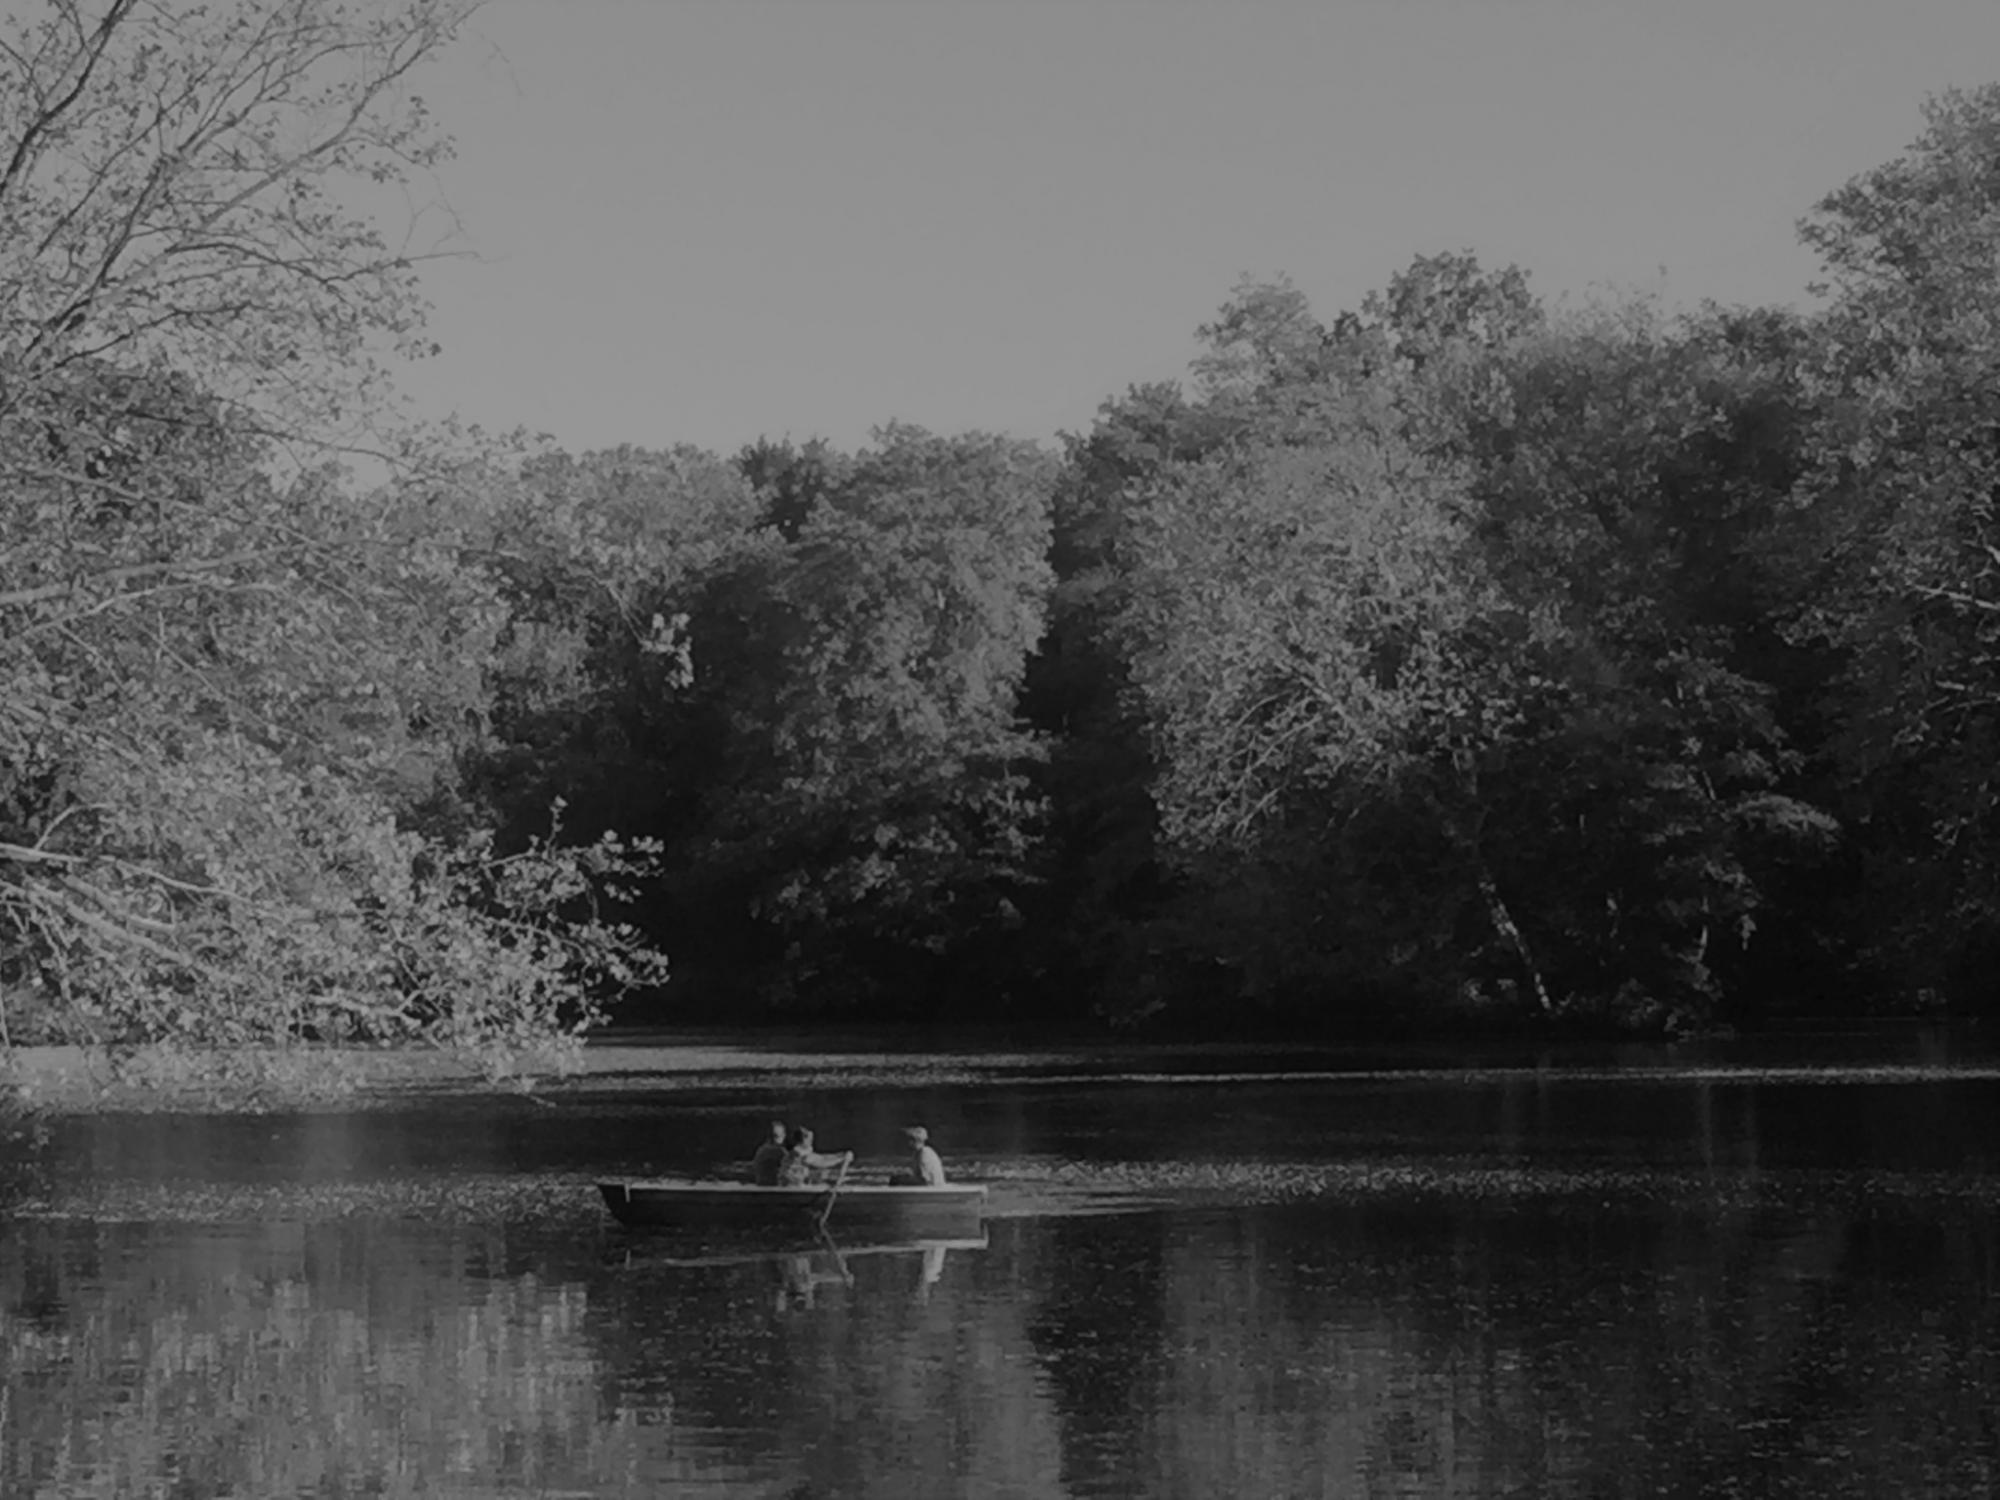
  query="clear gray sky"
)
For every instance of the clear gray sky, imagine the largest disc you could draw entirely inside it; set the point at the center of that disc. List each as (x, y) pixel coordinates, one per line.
(699, 222)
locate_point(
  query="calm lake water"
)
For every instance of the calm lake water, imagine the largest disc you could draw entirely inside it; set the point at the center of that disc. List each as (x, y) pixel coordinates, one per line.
(1695, 1281)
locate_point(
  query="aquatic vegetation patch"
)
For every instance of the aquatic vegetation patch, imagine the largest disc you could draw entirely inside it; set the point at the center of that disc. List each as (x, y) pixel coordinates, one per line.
(1031, 1183)
(436, 1198)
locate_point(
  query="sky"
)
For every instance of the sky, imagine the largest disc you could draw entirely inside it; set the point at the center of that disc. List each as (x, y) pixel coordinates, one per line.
(705, 221)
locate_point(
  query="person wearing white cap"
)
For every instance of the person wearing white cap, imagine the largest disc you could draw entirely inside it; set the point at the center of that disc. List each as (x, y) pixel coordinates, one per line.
(927, 1170)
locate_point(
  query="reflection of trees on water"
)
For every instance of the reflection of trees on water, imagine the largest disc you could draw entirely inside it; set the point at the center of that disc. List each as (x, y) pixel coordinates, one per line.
(401, 1359)
(888, 1384)
(1441, 1349)
(281, 1360)
(1450, 1352)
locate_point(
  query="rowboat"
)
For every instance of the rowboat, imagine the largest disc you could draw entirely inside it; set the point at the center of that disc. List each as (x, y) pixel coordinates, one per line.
(954, 1209)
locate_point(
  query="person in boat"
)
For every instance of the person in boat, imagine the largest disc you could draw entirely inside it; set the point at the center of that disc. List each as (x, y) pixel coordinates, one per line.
(926, 1167)
(803, 1165)
(770, 1157)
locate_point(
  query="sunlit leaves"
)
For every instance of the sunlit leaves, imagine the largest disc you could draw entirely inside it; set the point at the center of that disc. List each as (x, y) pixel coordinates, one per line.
(1297, 624)
(173, 185)
(1900, 540)
(239, 690)
(881, 652)
(1442, 657)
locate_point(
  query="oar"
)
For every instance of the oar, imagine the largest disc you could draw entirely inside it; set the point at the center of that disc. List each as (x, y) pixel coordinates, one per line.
(833, 1193)
(839, 1260)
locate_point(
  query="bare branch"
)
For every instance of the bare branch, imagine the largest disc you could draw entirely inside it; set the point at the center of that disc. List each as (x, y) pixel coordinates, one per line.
(1958, 597)
(111, 931)
(23, 854)
(47, 118)
(135, 596)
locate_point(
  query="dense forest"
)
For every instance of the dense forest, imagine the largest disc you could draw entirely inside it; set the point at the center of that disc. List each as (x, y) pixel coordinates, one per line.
(1458, 659)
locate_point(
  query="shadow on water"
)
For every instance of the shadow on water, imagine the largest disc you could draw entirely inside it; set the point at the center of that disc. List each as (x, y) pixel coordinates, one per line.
(1513, 1284)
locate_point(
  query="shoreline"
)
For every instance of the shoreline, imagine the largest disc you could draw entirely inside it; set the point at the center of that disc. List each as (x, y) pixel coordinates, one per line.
(77, 1080)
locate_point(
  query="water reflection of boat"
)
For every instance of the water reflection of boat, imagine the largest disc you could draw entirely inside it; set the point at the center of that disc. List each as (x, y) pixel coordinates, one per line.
(857, 1209)
(798, 1267)
(742, 1250)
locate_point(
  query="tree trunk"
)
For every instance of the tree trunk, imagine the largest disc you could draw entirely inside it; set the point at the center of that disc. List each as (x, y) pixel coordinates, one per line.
(1465, 831)
(1504, 924)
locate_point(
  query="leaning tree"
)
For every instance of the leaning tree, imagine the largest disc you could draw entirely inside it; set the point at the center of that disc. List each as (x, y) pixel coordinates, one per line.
(236, 684)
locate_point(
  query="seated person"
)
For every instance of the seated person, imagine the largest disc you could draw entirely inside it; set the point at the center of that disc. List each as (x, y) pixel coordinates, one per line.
(770, 1157)
(802, 1165)
(926, 1169)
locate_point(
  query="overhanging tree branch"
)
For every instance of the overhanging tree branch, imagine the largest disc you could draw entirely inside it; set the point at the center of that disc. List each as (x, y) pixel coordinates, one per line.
(111, 577)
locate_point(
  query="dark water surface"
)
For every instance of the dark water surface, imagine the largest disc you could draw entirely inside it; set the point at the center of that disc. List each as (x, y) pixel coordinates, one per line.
(1693, 1282)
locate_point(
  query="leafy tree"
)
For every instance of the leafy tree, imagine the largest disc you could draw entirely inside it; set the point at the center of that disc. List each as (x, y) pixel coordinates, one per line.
(873, 808)
(1097, 910)
(598, 557)
(172, 188)
(1265, 339)
(798, 671)
(790, 482)
(1447, 308)
(1298, 631)
(239, 690)
(1641, 492)
(1447, 662)
(1901, 541)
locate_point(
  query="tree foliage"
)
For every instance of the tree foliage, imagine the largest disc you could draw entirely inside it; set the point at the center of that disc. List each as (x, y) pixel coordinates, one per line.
(1443, 656)
(799, 671)
(240, 688)
(1456, 654)
(1899, 555)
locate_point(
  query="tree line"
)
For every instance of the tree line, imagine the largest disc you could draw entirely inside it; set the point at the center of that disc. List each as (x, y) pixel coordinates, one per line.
(1456, 658)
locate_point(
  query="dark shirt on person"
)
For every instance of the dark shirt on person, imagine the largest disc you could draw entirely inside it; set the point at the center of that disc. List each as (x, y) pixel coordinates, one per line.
(767, 1164)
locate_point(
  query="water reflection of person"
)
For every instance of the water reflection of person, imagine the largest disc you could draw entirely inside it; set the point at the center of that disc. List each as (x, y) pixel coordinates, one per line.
(770, 1158)
(798, 1280)
(803, 1165)
(933, 1269)
(795, 1282)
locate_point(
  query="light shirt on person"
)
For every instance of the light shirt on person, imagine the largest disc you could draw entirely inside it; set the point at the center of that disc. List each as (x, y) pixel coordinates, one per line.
(930, 1167)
